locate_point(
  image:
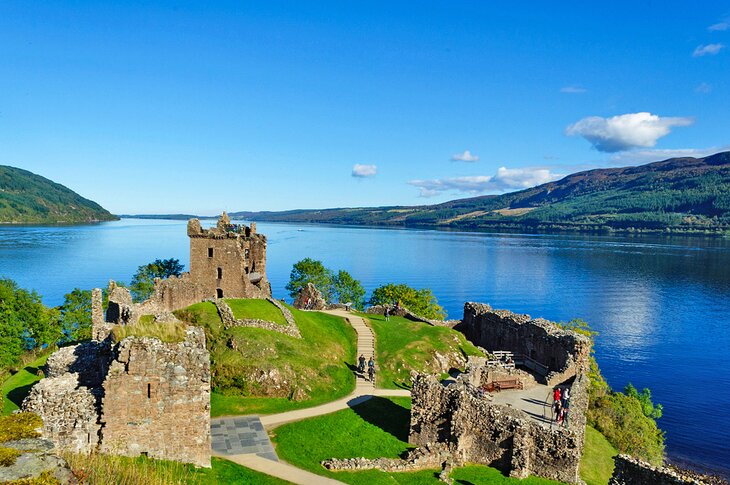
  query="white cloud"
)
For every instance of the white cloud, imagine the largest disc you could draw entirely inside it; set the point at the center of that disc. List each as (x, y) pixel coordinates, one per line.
(467, 156)
(703, 88)
(626, 131)
(573, 90)
(707, 50)
(720, 26)
(504, 180)
(362, 171)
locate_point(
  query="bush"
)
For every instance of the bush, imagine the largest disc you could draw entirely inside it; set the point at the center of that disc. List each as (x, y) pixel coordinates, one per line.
(421, 302)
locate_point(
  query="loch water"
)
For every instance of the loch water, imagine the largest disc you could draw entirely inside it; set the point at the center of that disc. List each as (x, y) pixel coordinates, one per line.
(660, 304)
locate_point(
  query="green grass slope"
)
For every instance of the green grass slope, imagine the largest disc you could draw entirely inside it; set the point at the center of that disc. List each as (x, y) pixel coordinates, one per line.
(596, 465)
(17, 386)
(260, 309)
(402, 345)
(257, 371)
(679, 195)
(376, 428)
(27, 198)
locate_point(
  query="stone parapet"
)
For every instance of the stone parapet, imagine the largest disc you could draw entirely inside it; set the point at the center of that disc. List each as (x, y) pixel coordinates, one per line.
(628, 471)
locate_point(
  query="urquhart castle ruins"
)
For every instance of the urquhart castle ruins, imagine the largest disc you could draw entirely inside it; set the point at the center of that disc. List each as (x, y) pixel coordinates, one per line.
(140, 395)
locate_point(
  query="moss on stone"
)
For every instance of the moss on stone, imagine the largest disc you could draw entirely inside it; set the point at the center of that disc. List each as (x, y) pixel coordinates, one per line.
(8, 456)
(19, 426)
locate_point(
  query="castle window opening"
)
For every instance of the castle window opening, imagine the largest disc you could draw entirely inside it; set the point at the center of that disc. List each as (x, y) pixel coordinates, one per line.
(219, 292)
(210, 252)
(149, 391)
(220, 273)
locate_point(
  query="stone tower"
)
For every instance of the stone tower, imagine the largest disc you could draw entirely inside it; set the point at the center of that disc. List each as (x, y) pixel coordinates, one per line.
(228, 260)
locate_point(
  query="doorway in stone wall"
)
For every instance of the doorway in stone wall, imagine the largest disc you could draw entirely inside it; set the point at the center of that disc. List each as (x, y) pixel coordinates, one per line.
(219, 293)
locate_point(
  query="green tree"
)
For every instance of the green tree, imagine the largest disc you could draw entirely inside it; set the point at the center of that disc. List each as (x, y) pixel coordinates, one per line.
(310, 270)
(25, 323)
(75, 316)
(649, 409)
(143, 280)
(347, 289)
(421, 302)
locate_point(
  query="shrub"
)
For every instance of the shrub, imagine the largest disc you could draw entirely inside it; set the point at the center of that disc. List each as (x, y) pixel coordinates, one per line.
(421, 302)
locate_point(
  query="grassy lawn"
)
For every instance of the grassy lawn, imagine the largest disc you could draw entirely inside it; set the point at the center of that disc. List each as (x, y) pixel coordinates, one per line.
(375, 428)
(105, 469)
(255, 308)
(17, 386)
(403, 345)
(596, 465)
(310, 371)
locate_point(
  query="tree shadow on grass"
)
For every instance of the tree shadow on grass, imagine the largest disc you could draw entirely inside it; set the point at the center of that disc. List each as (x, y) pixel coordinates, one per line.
(386, 415)
(17, 395)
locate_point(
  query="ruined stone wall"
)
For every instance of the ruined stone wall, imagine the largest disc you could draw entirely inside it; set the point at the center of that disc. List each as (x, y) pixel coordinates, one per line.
(563, 353)
(629, 471)
(157, 400)
(477, 431)
(136, 396)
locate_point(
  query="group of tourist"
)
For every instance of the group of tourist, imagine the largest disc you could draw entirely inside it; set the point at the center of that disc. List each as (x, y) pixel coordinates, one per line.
(371, 367)
(561, 404)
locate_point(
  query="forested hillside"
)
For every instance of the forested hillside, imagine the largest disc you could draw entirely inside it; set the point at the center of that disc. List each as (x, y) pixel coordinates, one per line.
(27, 198)
(676, 195)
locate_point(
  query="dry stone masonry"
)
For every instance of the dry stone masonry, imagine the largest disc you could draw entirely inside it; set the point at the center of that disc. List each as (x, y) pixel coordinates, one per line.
(455, 422)
(553, 353)
(629, 471)
(140, 396)
(227, 260)
(229, 320)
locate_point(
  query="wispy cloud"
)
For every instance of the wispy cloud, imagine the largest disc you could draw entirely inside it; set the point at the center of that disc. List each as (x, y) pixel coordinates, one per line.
(623, 132)
(505, 179)
(363, 171)
(703, 88)
(573, 90)
(719, 27)
(466, 156)
(708, 50)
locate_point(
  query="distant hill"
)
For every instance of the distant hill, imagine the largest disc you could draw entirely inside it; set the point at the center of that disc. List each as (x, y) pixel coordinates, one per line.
(677, 195)
(27, 198)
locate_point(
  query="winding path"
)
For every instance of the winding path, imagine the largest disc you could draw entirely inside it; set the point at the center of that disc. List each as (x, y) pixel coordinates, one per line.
(258, 456)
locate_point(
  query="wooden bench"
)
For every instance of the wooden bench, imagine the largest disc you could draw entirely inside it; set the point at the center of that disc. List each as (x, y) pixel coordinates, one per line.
(499, 385)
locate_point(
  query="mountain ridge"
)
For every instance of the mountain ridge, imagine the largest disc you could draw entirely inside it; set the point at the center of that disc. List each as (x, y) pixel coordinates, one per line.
(684, 194)
(29, 198)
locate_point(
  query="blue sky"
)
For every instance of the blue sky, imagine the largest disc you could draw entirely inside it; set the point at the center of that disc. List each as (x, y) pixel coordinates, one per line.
(152, 107)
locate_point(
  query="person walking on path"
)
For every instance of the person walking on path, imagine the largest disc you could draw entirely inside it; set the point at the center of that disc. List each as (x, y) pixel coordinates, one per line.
(565, 396)
(361, 365)
(387, 314)
(371, 368)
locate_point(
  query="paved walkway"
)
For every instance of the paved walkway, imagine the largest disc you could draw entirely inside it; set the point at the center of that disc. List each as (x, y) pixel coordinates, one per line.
(535, 402)
(226, 435)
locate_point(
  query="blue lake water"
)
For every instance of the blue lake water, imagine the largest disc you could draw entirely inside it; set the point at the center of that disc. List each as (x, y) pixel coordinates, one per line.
(660, 304)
